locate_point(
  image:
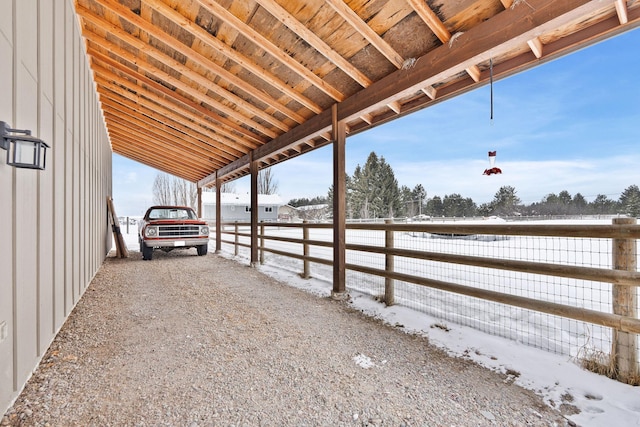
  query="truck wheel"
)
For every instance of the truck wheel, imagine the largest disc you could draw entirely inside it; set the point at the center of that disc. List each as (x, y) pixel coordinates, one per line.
(202, 249)
(147, 252)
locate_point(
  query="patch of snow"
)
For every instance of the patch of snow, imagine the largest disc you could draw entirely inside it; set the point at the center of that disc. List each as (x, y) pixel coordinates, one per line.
(363, 361)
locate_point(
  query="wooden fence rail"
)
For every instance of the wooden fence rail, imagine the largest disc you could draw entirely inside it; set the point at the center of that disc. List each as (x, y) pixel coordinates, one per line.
(624, 276)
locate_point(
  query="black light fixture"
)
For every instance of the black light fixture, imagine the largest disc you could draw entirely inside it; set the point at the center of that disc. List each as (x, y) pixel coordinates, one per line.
(23, 150)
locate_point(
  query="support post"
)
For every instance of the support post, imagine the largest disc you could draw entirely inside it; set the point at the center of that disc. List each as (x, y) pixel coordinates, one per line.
(305, 249)
(237, 238)
(261, 242)
(339, 205)
(254, 210)
(199, 202)
(625, 303)
(219, 216)
(389, 297)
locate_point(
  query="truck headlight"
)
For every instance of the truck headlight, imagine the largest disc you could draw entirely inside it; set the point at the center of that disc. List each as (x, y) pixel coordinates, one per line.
(204, 230)
(150, 231)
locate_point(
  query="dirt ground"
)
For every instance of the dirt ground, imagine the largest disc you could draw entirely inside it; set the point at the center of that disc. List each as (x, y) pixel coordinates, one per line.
(205, 341)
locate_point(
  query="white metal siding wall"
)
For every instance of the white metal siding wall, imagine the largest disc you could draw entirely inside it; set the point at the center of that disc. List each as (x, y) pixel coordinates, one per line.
(53, 223)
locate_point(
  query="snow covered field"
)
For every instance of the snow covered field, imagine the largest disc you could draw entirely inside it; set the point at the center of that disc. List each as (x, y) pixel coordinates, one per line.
(456, 323)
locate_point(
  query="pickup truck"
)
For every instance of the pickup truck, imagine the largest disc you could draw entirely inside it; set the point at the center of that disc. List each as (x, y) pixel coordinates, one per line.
(172, 227)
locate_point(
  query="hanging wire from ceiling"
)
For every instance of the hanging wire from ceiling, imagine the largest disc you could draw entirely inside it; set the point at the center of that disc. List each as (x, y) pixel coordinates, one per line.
(491, 86)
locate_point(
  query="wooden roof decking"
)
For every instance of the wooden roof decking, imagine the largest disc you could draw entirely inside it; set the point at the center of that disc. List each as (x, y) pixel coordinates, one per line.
(191, 87)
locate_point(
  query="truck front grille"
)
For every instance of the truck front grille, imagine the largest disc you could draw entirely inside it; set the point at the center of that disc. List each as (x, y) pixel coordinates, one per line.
(178, 231)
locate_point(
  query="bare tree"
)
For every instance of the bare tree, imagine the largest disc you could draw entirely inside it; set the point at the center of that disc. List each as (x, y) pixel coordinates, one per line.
(227, 187)
(266, 182)
(170, 190)
(161, 189)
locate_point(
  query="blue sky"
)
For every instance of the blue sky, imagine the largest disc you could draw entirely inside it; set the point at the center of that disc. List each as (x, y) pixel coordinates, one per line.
(571, 124)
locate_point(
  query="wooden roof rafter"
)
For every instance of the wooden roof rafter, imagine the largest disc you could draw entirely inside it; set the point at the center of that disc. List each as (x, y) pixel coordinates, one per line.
(271, 48)
(215, 44)
(310, 37)
(232, 78)
(109, 82)
(224, 126)
(113, 101)
(197, 81)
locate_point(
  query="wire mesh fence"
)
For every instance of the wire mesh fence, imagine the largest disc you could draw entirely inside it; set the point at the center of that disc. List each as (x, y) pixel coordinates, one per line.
(551, 331)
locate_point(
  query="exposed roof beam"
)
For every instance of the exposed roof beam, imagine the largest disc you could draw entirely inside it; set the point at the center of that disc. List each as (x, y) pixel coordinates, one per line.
(536, 46)
(310, 37)
(193, 56)
(123, 129)
(395, 106)
(513, 27)
(434, 23)
(429, 17)
(185, 71)
(184, 136)
(155, 102)
(193, 91)
(621, 10)
(371, 36)
(509, 29)
(250, 139)
(202, 35)
(136, 126)
(173, 120)
(430, 91)
(180, 168)
(273, 50)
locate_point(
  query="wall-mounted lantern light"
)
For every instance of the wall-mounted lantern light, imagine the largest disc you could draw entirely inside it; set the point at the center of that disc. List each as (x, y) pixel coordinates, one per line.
(23, 150)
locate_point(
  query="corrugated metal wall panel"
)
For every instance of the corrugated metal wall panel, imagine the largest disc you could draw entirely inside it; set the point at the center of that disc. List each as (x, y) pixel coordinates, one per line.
(53, 223)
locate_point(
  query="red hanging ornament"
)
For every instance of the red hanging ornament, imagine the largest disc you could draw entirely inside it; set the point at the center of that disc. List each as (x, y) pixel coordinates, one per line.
(492, 161)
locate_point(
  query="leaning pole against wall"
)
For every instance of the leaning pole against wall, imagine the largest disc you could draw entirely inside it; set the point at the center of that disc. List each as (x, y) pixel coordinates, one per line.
(121, 247)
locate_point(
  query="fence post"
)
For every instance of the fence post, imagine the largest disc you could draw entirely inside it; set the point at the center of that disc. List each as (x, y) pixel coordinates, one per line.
(261, 242)
(235, 251)
(625, 303)
(389, 297)
(305, 250)
(127, 225)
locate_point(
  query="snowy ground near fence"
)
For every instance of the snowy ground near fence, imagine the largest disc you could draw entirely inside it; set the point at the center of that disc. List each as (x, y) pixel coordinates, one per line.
(602, 402)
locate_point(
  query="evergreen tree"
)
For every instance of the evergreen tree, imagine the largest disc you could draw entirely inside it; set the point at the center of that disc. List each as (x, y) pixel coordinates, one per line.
(435, 207)
(419, 196)
(451, 205)
(602, 205)
(388, 193)
(329, 198)
(630, 201)
(579, 204)
(505, 201)
(408, 206)
(374, 189)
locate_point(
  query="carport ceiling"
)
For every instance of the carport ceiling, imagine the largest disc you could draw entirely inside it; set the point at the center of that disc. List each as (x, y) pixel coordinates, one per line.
(191, 87)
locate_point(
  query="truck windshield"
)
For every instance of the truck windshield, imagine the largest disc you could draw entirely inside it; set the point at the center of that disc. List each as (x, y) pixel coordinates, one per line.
(172, 213)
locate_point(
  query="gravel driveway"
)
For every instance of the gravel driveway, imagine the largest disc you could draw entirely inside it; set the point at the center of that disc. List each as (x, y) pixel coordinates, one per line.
(205, 341)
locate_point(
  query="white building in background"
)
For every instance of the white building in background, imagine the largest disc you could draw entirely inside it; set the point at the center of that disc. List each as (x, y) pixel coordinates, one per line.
(237, 207)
